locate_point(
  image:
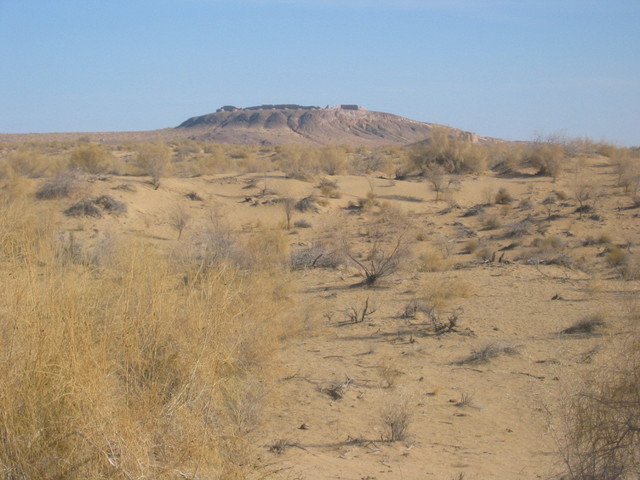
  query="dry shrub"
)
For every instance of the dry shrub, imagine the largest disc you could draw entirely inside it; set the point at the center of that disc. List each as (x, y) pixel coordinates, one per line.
(389, 373)
(83, 208)
(329, 188)
(92, 158)
(599, 435)
(307, 204)
(519, 229)
(490, 221)
(586, 325)
(332, 161)
(488, 352)
(546, 156)
(439, 292)
(395, 418)
(454, 151)
(62, 185)
(548, 245)
(26, 163)
(299, 162)
(127, 372)
(471, 246)
(316, 256)
(503, 197)
(153, 159)
(433, 260)
(617, 257)
(381, 258)
(89, 208)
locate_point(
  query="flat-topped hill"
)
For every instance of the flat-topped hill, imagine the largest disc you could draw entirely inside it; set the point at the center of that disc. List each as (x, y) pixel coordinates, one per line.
(278, 124)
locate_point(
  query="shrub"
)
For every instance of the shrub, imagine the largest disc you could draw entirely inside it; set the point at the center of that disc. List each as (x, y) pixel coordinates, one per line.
(332, 161)
(616, 257)
(92, 158)
(454, 151)
(488, 352)
(60, 186)
(519, 229)
(27, 163)
(328, 188)
(288, 206)
(471, 246)
(503, 197)
(490, 222)
(600, 436)
(307, 204)
(438, 178)
(315, 257)
(153, 159)
(129, 373)
(179, 219)
(395, 418)
(433, 261)
(380, 260)
(547, 156)
(301, 224)
(585, 325)
(84, 208)
(110, 204)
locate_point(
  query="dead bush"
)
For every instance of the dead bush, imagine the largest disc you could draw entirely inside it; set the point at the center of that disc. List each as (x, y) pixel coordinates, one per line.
(62, 185)
(328, 188)
(503, 197)
(487, 352)
(84, 208)
(316, 256)
(585, 325)
(360, 314)
(381, 260)
(395, 418)
(302, 223)
(600, 423)
(110, 205)
(153, 159)
(179, 219)
(519, 229)
(307, 204)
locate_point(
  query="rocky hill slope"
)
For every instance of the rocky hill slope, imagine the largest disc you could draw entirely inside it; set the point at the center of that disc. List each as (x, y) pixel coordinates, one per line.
(279, 124)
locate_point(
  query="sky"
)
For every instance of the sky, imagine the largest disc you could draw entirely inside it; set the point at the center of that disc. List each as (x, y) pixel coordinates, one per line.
(513, 69)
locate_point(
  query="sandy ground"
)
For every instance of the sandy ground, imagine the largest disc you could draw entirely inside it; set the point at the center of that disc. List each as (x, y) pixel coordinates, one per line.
(335, 379)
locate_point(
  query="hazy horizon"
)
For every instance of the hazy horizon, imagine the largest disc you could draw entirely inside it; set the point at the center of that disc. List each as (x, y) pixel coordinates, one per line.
(503, 69)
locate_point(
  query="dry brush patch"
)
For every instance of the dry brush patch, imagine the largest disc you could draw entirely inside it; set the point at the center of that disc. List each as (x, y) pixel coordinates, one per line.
(126, 371)
(597, 428)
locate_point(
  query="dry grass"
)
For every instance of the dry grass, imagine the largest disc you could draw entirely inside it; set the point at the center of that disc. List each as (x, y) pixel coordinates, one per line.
(598, 433)
(126, 372)
(440, 292)
(395, 418)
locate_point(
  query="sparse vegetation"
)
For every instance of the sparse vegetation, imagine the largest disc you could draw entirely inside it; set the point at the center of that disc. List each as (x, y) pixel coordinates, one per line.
(380, 261)
(395, 418)
(91, 158)
(128, 354)
(153, 159)
(488, 352)
(62, 185)
(599, 435)
(585, 325)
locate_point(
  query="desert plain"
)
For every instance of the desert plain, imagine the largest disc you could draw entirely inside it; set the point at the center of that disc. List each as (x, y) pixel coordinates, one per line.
(311, 312)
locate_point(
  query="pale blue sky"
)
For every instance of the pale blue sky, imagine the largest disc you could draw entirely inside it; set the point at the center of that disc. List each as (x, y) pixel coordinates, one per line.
(502, 68)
